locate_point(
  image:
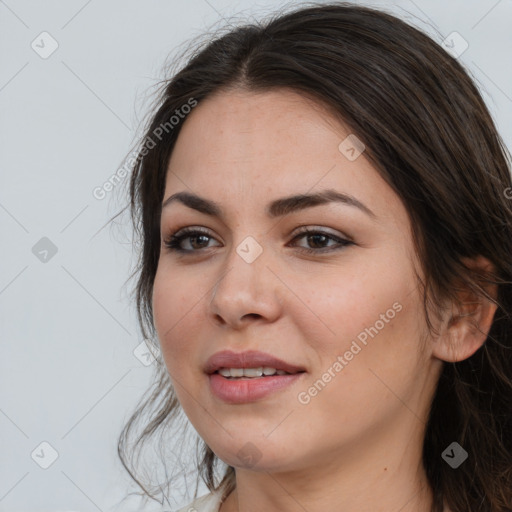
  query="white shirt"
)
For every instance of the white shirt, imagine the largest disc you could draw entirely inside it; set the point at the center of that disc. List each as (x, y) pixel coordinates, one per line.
(208, 503)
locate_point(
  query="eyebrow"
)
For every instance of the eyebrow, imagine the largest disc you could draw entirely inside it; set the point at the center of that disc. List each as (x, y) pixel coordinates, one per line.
(276, 208)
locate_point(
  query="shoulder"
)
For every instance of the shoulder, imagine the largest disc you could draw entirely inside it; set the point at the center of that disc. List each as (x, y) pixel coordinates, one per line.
(208, 503)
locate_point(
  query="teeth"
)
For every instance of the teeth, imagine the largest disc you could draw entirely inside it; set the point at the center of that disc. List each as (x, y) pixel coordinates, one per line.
(237, 372)
(250, 372)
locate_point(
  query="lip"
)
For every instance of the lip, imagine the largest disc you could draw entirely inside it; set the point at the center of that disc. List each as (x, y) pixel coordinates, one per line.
(244, 390)
(247, 359)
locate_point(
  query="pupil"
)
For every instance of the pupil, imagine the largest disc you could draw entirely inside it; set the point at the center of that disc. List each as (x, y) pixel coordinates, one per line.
(196, 237)
(317, 236)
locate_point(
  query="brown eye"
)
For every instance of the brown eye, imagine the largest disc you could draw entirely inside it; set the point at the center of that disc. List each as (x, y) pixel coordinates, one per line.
(318, 240)
(198, 240)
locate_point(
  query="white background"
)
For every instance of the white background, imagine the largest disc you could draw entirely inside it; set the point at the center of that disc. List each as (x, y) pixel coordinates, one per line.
(68, 375)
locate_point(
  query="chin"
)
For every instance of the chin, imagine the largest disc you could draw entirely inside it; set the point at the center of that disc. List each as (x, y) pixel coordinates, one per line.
(259, 456)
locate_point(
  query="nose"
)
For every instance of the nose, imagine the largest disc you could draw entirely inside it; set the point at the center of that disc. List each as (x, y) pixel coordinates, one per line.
(246, 292)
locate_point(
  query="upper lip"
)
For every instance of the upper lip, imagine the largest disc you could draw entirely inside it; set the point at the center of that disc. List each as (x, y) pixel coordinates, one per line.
(248, 359)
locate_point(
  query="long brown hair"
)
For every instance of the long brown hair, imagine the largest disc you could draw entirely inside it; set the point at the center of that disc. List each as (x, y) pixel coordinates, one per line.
(429, 134)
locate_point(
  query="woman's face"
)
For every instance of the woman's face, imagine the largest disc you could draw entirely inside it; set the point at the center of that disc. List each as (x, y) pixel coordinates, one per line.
(349, 315)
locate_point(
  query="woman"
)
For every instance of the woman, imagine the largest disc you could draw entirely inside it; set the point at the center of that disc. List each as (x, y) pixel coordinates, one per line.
(324, 208)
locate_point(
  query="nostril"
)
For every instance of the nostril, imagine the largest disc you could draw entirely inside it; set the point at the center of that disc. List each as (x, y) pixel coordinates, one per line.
(252, 315)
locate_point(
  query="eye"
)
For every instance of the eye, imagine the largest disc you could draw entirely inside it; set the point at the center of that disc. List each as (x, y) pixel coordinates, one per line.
(173, 242)
(317, 236)
(198, 239)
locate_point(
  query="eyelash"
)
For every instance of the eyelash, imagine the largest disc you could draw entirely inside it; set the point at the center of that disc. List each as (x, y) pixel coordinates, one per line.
(173, 241)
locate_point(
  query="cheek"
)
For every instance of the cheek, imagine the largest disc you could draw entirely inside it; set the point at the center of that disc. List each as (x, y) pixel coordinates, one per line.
(372, 350)
(370, 319)
(343, 304)
(176, 302)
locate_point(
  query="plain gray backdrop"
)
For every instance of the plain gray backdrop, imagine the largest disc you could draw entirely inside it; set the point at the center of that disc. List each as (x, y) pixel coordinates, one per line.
(74, 76)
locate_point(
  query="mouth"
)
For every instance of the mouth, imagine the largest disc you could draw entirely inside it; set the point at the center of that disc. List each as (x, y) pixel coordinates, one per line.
(252, 373)
(249, 364)
(238, 378)
(244, 390)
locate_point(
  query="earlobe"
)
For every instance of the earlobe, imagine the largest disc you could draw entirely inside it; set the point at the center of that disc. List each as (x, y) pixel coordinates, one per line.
(469, 322)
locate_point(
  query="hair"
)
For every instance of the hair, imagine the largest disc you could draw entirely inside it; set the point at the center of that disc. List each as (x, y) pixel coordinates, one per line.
(430, 136)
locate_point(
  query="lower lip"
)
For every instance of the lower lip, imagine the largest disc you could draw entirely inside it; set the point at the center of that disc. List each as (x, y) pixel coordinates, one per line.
(240, 391)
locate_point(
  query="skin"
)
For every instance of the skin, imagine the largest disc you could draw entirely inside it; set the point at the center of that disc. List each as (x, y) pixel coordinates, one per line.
(356, 446)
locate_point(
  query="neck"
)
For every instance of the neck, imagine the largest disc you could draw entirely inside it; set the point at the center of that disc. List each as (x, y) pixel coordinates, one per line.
(367, 477)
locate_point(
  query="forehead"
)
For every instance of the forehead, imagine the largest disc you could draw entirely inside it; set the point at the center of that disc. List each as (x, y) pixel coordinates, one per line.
(240, 146)
(233, 124)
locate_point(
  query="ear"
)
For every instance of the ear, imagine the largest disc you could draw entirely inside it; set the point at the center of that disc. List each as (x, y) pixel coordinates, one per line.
(466, 326)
